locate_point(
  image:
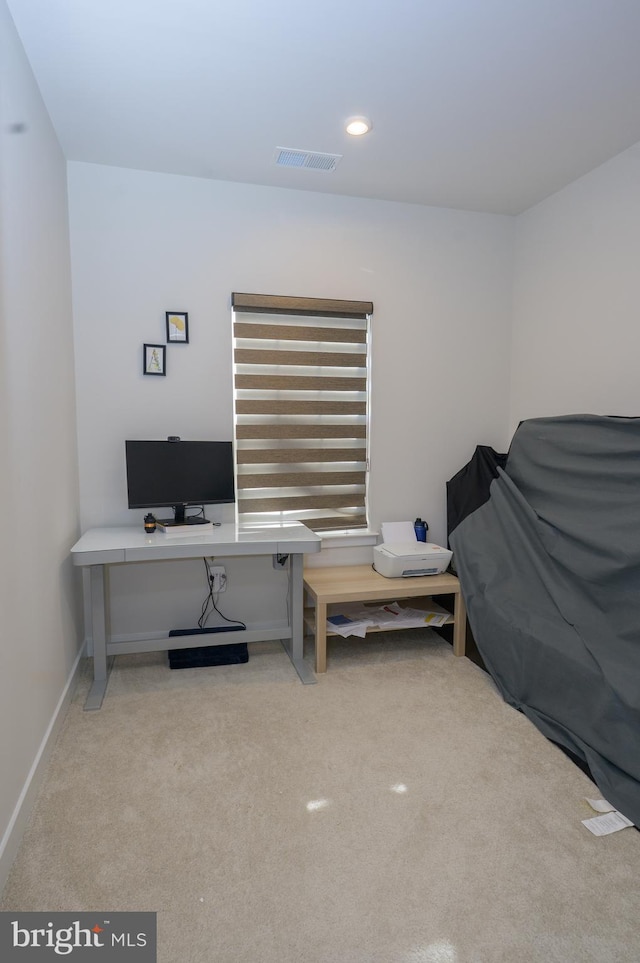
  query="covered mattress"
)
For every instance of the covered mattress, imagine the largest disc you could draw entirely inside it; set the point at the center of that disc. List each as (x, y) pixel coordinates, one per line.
(550, 571)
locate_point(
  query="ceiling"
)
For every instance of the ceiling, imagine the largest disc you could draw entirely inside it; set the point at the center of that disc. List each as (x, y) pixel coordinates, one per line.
(484, 105)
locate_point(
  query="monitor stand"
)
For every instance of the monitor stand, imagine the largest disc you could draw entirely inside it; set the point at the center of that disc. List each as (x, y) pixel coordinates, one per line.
(180, 519)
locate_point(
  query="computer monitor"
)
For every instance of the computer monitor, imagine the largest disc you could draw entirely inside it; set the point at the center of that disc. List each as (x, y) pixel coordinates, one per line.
(179, 473)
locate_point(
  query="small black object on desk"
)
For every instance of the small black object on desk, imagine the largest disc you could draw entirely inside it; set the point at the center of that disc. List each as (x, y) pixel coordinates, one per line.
(149, 523)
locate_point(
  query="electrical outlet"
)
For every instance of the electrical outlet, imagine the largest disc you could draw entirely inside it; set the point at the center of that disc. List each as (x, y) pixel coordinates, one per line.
(218, 578)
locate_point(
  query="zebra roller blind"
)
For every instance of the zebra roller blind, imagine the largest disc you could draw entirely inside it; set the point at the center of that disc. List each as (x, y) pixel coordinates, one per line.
(301, 370)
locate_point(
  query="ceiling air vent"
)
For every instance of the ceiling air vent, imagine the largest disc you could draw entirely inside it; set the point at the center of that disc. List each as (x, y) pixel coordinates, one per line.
(311, 160)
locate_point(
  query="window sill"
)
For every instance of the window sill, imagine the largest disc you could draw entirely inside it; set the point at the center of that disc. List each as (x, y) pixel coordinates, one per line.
(352, 539)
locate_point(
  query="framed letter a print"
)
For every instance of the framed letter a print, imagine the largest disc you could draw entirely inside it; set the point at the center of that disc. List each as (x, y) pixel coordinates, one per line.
(154, 359)
(177, 327)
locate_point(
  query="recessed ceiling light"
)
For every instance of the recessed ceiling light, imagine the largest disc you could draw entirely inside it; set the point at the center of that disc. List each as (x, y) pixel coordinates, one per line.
(356, 126)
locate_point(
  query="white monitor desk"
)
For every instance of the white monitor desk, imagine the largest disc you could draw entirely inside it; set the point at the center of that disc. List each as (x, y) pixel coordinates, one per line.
(100, 548)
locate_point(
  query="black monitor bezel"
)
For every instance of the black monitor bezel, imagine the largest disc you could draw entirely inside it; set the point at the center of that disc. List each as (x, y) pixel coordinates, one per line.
(139, 502)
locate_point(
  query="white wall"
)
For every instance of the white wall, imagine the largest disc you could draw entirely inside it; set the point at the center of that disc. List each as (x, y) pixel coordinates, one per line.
(145, 243)
(39, 478)
(576, 334)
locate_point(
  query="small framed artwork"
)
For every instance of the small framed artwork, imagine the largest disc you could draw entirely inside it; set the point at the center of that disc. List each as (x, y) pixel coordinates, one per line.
(154, 359)
(177, 327)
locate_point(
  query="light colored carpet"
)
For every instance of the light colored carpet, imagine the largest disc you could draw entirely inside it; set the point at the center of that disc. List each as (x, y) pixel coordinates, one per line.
(397, 812)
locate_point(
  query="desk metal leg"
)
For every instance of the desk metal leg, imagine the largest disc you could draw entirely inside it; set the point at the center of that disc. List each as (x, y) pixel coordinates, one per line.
(101, 666)
(294, 647)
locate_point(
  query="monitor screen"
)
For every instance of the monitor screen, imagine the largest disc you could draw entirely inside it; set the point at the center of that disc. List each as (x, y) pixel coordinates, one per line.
(179, 473)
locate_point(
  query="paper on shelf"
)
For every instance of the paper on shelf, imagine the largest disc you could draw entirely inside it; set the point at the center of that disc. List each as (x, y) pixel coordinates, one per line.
(345, 626)
(391, 616)
(433, 614)
(354, 618)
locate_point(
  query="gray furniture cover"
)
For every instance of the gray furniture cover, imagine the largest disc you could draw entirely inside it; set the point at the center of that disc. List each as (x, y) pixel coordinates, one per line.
(550, 571)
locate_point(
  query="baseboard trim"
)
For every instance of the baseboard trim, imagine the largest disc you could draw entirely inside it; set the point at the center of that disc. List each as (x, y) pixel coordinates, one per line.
(17, 824)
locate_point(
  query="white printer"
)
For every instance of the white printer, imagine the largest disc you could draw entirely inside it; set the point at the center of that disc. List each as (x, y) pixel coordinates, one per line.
(403, 559)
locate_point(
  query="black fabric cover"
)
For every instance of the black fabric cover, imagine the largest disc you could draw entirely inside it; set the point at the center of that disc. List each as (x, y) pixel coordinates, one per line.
(550, 571)
(469, 488)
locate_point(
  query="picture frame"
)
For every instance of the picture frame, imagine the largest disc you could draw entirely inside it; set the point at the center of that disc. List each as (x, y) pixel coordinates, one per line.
(177, 323)
(154, 359)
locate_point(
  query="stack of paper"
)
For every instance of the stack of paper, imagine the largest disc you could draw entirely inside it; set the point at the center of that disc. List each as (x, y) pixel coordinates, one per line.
(355, 618)
(344, 626)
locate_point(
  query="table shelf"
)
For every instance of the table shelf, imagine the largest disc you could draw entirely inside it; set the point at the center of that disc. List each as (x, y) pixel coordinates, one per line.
(332, 587)
(335, 608)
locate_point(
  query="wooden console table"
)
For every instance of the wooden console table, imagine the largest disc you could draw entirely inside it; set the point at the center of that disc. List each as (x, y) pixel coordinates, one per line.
(361, 583)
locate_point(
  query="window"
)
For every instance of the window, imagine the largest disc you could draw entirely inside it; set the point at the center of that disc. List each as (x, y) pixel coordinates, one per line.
(301, 368)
